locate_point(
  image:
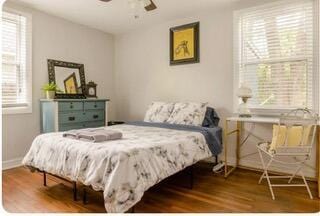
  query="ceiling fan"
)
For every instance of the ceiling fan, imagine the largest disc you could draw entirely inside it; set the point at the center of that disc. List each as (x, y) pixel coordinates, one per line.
(148, 5)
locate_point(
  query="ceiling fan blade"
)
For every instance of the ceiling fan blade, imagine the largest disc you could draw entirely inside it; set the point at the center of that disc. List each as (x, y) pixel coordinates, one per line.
(105, 0)
(151, 6)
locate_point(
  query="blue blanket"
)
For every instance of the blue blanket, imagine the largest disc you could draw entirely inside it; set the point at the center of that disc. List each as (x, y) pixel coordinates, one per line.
(213, 135)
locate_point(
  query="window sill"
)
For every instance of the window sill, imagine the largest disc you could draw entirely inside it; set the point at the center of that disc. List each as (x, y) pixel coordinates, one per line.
(16, 110)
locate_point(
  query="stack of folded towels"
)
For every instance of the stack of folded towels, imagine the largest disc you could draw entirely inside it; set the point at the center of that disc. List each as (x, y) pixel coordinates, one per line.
(93, 134)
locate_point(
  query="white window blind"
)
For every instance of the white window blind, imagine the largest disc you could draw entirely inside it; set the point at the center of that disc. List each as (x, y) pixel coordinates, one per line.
(16, 73)
(275, 54)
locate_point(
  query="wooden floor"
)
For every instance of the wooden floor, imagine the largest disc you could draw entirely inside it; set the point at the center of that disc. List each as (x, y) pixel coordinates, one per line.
(23, 192)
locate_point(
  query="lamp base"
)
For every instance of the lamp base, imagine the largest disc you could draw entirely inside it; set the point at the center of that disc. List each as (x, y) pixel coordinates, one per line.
(243, 110)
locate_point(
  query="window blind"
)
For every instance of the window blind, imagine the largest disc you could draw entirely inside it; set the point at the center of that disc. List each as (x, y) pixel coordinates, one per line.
(275, 54)
(14, 61)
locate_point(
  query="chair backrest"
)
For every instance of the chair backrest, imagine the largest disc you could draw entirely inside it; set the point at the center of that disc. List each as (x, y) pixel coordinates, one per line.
(295, 133)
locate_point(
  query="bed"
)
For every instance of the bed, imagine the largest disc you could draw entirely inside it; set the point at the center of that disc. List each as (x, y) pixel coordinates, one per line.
(124, 169)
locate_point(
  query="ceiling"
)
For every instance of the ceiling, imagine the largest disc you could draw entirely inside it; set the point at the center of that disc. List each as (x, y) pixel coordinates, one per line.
(115, 16)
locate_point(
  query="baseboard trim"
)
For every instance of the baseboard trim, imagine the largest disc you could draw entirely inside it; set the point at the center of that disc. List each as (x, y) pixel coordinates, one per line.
(9, 164)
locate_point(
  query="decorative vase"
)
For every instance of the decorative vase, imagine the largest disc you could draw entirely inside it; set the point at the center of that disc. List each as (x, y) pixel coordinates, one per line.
(50, 94)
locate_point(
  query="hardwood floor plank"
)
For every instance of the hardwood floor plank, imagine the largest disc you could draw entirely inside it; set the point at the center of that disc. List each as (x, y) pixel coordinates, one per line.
(23, 192)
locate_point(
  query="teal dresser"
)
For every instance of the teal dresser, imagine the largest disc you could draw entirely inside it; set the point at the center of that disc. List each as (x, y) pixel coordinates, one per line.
(68, 114)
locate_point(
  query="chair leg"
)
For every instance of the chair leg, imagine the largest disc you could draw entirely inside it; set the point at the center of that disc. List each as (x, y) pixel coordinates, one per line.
(262, 177)
(270, 186)
(264, 172)
(307, 186)
(294, 174)
(265, 168)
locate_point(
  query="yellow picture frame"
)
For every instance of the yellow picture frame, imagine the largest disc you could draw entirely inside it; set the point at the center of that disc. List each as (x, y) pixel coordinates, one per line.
(184, 44)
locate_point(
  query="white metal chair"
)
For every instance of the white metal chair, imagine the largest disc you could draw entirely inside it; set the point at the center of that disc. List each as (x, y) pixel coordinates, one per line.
(293, 137)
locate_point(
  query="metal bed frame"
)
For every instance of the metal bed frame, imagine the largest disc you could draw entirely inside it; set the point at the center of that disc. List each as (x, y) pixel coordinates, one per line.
(188, 170)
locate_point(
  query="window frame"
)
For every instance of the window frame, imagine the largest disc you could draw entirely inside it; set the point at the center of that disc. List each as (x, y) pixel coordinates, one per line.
(237, 38)
(28, 108)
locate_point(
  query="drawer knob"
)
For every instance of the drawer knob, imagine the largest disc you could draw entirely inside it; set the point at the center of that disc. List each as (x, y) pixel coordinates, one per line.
(72, 118)
(71, 106)
(95, 106)
(95, 116)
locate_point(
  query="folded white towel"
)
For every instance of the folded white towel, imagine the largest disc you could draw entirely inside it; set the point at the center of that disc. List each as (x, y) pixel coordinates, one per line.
(100, 135)
(93, 134)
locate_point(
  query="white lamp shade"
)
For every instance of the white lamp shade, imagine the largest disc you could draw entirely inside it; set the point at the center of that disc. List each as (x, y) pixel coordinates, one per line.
(244, 91)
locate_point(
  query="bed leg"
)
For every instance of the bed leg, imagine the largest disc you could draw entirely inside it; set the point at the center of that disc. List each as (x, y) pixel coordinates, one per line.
(217, 161)
(84, 198)
(131, 210)
(191, 176)
(44, 179)
(74, 191)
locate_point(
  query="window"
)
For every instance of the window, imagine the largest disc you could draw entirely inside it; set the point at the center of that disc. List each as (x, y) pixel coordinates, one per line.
(274, 55)
(16, 62)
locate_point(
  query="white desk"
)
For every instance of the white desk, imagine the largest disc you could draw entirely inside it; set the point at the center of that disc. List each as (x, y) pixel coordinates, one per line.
(260, 120)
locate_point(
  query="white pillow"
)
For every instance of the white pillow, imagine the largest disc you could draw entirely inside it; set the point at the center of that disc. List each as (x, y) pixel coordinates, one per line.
(158, 112)
(189, 113)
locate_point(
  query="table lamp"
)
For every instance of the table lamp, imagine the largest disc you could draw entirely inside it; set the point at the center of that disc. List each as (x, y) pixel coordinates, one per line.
(244, 92)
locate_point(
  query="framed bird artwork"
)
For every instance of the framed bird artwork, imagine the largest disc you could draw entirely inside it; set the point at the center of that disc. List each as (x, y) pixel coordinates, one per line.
(184, 44)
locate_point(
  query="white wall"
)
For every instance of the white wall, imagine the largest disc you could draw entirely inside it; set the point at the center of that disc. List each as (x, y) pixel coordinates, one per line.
(143, 73)
(56, 38)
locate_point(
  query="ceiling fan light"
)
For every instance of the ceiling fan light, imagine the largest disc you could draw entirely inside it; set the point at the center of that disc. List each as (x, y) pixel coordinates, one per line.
(135, 7)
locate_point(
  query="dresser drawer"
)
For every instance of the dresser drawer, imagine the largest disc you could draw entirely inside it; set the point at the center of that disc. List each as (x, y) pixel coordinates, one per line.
(70, 106)
(95, 115)
(94, 105)
(71, 117)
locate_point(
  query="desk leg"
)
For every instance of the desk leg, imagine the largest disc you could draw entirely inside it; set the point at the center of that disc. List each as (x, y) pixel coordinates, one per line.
(239, 129)
(318, 161)
(225, 141)
(227, 172)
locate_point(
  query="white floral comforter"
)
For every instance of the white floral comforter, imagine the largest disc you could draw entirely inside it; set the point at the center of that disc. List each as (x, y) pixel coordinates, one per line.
(124, 169)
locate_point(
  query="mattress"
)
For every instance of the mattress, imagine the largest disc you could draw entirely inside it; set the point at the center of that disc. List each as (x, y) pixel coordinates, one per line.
(123, 169)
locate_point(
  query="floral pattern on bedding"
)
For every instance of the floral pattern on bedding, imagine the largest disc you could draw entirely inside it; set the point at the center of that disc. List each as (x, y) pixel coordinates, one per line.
(189, 113)
(124, 169)
(158, 112)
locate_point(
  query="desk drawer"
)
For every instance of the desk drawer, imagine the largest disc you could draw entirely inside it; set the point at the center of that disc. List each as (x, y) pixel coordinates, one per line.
(71, 117)
(97, 115)
(70, 106)
(94, 105)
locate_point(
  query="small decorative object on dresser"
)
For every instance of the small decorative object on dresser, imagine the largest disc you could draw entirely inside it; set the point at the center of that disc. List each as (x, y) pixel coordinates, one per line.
(91, 89)
(50, 90)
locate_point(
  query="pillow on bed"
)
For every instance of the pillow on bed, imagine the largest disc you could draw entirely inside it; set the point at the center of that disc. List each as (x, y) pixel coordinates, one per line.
(189, 113)
(158, 112)
(211, 118)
